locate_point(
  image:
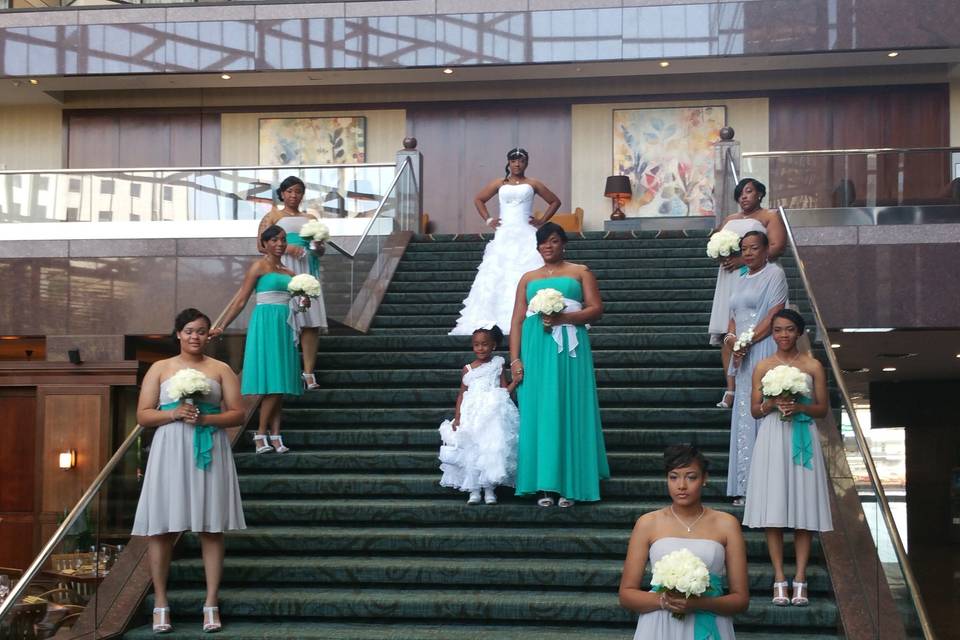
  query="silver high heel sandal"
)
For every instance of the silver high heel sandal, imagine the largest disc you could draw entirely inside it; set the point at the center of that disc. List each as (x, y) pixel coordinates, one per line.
(309, 381)
(211, 619)
(278, 444)
(260, 442)
(161, 619)
(723, 404)
(799, 598)
(780, 594)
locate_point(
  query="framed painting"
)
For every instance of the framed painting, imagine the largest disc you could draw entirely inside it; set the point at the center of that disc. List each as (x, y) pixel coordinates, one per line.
(668, 156)
(337, 140)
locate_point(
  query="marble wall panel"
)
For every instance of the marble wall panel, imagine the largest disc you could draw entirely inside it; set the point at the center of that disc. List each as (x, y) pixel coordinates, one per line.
(36, 296)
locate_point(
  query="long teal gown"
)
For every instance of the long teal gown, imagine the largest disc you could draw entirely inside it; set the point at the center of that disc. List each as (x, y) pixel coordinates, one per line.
(271, 363)
(561, 445)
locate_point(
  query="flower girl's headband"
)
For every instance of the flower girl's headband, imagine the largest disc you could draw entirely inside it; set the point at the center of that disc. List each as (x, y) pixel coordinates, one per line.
(518, 153)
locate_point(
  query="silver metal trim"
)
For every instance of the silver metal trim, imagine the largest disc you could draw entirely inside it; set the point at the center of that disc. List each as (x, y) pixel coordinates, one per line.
(840, 152)
(902, 558)
(68, 522)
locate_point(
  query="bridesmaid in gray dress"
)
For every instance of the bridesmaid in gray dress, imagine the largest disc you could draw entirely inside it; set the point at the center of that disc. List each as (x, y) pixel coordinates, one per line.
(788, 483)
(713, 536)
(760, 294)
(191, 482)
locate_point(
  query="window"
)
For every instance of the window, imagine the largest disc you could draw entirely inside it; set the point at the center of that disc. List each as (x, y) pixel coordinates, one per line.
(106, 187)
(75, 185)
(43, 183)
(73, 213)
(135, 190)
(134, 217)
(168, 194)
(106, 216)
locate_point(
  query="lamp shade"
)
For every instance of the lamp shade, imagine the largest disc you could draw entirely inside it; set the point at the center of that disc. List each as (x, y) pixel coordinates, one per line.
(617, 186)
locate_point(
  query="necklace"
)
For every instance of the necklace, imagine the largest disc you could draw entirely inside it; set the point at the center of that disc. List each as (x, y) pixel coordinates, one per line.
(550, 271)
(795, 356)
(688, 527)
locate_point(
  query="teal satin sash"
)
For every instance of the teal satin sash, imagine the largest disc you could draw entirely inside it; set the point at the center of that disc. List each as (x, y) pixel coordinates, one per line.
(202, 433)
(705, 622)
(744, 270)
(312, 260)
(802, 441)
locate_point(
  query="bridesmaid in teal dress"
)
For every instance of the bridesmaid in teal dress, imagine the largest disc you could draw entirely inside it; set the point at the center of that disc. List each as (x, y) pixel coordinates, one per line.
(271, 364)
(561, 449)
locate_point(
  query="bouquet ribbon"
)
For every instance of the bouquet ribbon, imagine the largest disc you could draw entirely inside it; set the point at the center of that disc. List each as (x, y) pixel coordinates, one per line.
(704, 622)
(313, 261)
(202, 433)
(281, 297)
(802, 441)
(571, 330)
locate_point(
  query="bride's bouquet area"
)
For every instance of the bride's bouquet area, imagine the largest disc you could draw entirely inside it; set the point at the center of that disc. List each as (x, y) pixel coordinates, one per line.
(723, 244)
(315, 231)
(680, 573)
(303, 287)
(785, 382)
(188, 385)
(546, 302)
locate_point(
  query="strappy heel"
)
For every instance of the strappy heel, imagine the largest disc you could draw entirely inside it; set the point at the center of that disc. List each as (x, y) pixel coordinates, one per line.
(309, 381)
(260, 442)
(565, 503)
(211, 619)
(799, 598)
(161, 620)
(545, 500)
(780, 598)
(723, 404)
(278, 444)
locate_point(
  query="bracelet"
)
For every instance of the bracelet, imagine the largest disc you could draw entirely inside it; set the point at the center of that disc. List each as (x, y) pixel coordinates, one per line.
(663, 601)
(515, 361)
(489, 221)
(730, 335)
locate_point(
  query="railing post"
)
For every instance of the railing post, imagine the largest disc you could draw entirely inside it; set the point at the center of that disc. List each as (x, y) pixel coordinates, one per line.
(726, 169)
(409, 152)
(871, 180)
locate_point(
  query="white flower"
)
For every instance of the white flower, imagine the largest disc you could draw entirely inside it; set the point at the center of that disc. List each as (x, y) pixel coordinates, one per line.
(723, 244)
(315, 230)
(304, 285)
(547, 301)
(188, 383)
(744, 339)
(784, 379)
(683, 572)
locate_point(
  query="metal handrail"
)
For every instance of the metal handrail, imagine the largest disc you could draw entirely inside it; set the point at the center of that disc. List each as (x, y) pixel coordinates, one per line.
(861, 441)
(834, 152)
(407, 166)
(287, 167)
(68, 522)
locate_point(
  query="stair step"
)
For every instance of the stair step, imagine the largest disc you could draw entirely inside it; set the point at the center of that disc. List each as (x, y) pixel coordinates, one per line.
(460, 344)
(700, 320)
(672, 276)
(594, 331)
(446, 378)
(703, 296)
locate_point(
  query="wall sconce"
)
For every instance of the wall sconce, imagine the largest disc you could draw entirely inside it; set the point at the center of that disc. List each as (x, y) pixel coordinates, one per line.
(618, 188)
(68, 459)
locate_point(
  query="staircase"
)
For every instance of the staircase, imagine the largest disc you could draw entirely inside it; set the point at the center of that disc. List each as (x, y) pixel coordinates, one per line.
(352, 538)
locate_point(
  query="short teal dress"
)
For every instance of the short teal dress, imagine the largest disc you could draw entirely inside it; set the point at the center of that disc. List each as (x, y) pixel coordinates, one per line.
(271, 363)
(561, 445)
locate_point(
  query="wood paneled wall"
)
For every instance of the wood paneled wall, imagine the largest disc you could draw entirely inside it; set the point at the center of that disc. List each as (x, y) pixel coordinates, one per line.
(131, 139)
(18, 435)
(465, 147)
(873, 117)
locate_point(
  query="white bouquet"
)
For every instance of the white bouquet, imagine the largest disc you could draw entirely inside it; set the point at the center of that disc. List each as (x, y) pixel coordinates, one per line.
(315, 231)
(784, 381)
(188, 385)
(744, 339)
(547, 301)
(723, 244)
(681, 573)
(304, 286)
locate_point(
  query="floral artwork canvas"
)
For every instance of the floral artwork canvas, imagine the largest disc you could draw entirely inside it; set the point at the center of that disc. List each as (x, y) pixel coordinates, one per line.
(668, 156)
(339, 140)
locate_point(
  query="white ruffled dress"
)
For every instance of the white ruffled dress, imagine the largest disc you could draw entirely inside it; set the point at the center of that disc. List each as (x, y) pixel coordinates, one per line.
(482, 452)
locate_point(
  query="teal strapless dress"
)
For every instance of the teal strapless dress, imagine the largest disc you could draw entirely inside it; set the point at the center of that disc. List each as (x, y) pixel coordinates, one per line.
(271, 363)
(561, 441)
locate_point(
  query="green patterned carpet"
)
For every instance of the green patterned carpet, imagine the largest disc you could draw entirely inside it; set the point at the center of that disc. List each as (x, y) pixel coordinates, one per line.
(351, 537)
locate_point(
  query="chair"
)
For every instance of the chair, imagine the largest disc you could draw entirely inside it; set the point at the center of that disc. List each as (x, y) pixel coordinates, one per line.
(572, 222)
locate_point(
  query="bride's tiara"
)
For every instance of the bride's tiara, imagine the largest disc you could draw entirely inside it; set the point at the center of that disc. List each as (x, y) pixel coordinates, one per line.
(518, 153)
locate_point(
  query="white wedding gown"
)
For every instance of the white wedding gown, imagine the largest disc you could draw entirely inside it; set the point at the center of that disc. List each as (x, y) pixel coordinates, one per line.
(511, 253)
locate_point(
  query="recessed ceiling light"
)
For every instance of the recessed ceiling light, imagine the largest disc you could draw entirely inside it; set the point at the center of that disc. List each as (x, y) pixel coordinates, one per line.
(867, 329)
(958, 355)
(34, 81)
(8, 337)
(225, 76)
(835, 345)
(448, 70)
(893, 54)
(664, 63)
(889, 369)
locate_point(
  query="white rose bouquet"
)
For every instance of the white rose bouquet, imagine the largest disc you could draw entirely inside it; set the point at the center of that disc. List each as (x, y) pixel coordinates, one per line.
(547, 302)
(784, 382)
(744, 339)
(723, 244)
(681, 573)
(315, 231)
(188, 385)
(304, 287)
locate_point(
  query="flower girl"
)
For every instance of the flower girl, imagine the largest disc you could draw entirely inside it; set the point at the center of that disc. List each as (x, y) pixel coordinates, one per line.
(480, 443)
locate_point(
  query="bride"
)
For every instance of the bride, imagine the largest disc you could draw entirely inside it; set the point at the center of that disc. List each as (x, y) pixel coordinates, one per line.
(513, 250)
